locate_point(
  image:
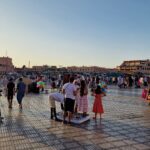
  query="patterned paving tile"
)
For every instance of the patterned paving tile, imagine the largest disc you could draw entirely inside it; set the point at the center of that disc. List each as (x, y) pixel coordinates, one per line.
(125, 125)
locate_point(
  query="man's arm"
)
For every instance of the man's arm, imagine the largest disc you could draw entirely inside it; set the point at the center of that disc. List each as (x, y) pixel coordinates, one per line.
(63, 91)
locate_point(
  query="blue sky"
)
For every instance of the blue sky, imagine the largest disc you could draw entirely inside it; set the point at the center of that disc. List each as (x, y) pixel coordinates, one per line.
(74, 32)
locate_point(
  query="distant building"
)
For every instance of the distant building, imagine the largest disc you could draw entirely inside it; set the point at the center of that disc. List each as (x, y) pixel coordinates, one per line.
(88, 69)
(43, 68)
(135, 66)
(37, 69)
(40, 68)
(6, 65)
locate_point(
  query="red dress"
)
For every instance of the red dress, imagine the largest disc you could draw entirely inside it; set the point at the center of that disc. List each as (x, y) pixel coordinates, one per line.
(98, 107)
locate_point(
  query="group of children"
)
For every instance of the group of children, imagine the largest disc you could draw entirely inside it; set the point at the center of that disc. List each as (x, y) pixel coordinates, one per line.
(97, 92)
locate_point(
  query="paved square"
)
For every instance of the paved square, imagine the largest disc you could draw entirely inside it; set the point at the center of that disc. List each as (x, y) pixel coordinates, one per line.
(125, 125)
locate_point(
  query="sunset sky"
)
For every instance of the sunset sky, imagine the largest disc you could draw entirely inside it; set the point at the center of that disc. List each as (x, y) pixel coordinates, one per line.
(74, 32)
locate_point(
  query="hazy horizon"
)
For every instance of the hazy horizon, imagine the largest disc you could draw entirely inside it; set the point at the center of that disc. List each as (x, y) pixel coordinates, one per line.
(74, 33)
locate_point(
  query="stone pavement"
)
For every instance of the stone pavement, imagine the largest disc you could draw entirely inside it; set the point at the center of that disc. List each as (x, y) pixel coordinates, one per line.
(125, 125)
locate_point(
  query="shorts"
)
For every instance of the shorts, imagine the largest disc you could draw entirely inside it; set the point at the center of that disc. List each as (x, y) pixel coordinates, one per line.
(69, 105)
(52, 102)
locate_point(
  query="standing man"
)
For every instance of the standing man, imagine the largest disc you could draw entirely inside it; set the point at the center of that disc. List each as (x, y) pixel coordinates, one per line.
(21, 88)
(10, 92)
(69, 90)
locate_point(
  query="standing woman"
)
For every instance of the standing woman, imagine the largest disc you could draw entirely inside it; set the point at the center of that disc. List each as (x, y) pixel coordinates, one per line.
(77, 96)
(21, 88)
(83, 101)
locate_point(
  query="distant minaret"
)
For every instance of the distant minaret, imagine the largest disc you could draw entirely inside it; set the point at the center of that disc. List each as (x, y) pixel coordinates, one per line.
(29, 64)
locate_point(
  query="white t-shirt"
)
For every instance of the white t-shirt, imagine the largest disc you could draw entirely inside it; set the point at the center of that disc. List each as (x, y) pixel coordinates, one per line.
(57, 97)
(69, 89)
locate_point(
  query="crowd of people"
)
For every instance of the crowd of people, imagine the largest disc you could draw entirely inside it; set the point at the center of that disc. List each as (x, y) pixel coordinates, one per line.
(130, 81)
(73, 96)
(75, 92)
(72, 91)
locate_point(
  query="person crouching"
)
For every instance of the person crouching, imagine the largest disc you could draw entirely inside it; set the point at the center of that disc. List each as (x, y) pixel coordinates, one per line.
(56, 96)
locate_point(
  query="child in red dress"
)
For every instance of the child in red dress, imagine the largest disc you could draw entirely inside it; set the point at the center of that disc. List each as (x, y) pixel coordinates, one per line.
(97, 106)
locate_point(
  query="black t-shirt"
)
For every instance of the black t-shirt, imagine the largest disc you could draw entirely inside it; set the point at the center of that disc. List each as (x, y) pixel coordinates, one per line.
(10, 87)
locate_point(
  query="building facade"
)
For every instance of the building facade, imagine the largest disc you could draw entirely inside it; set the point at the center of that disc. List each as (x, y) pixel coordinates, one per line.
(88, 69)
(135, 66)
(6, 65)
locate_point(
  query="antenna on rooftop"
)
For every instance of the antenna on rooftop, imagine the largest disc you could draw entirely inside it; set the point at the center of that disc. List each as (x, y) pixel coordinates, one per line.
(6, 53)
